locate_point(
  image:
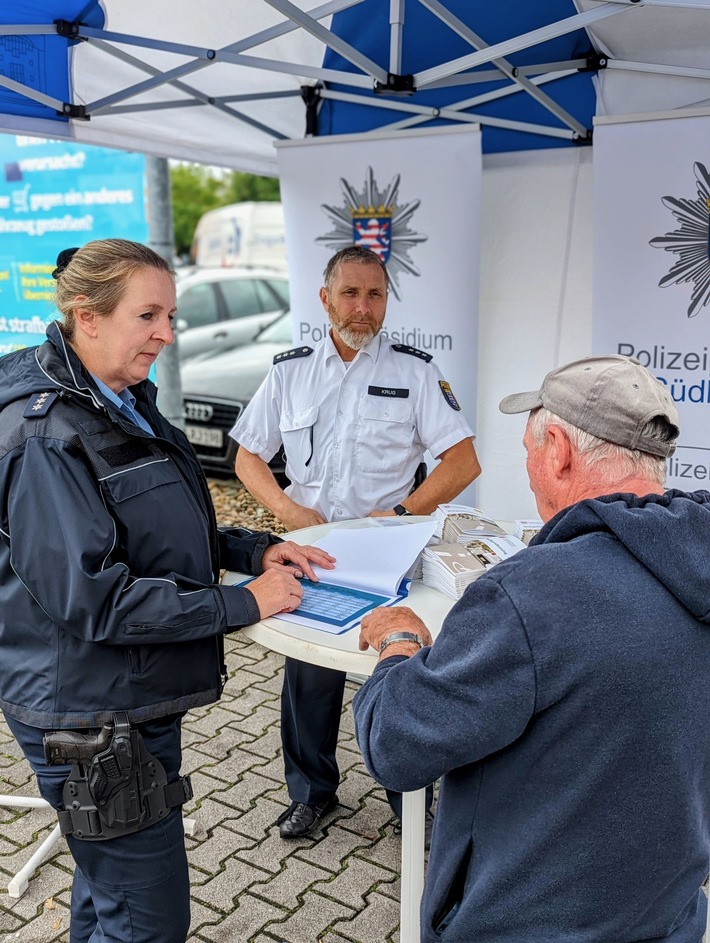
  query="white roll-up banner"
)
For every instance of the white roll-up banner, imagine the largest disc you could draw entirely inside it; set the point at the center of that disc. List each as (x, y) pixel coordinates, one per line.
(652, 267)
(412, 197)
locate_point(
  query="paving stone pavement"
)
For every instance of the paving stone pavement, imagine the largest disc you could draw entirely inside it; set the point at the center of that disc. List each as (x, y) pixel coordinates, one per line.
(248, 885)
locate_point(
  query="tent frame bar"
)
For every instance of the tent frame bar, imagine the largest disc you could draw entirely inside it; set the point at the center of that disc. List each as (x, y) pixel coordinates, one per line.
(201, 57)
(670, 4)
(31, 93)
(508, 70)
(390, 85)
(328, 38)
(495, 75)
(525, 40)
(196, 95)
(451, 113)
(658, 69)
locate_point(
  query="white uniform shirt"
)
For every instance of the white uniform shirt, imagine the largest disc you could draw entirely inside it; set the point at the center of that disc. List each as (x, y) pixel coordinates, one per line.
(354, 433)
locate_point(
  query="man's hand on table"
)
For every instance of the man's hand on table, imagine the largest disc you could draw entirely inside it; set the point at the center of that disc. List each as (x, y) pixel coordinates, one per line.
(295, 516)
(382, 622)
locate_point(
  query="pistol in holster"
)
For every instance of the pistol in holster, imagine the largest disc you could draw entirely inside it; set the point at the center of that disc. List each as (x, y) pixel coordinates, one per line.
(115, 786)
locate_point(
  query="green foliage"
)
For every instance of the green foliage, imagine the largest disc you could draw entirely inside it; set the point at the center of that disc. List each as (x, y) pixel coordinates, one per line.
(243, 187)
(196, 189)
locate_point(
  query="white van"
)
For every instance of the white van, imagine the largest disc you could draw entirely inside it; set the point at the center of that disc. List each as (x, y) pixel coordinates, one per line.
(242, 235)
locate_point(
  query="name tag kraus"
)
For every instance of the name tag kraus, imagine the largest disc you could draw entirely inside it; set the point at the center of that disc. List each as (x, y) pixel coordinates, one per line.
(391, 391)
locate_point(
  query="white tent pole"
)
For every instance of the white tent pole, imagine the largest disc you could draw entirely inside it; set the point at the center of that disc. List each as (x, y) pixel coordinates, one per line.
(396, 32)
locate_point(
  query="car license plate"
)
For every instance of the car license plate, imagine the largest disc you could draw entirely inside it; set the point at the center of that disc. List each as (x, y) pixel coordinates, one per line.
(199, 435)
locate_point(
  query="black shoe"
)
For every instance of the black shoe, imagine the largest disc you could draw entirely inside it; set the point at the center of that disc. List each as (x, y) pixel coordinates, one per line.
(301, 819)
(428, 826)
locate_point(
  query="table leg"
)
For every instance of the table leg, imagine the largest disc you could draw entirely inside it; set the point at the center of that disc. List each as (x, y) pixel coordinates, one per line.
(18, 884)
(413, 804)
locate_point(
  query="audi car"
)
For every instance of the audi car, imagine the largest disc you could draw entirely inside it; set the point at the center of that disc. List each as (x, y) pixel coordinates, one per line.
(218, 387)
(219, 309)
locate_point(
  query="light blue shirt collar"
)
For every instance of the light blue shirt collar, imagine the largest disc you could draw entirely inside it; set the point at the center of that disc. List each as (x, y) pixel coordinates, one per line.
(125, 401)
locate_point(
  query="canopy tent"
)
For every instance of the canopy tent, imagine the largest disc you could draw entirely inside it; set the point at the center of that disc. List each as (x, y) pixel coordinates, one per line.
(220, 83)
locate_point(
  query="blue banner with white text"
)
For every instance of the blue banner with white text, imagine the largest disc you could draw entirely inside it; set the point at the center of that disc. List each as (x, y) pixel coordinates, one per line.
(53, 195)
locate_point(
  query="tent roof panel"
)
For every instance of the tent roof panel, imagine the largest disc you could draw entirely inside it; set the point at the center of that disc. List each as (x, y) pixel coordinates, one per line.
(229, 107)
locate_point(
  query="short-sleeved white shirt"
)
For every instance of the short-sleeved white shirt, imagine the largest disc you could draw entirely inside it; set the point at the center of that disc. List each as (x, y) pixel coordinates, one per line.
(354, 433)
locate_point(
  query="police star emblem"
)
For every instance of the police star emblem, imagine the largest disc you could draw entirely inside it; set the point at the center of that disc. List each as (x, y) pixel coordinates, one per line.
(691, 242)
(377, 220)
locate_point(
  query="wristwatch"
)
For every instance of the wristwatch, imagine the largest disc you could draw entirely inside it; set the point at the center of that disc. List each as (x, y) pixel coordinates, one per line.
(400, 637)
(401, 511)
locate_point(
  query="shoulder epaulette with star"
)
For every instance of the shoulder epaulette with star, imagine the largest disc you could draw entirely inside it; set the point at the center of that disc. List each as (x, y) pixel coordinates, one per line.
(39, 404)
(293, 353)
(414, 351)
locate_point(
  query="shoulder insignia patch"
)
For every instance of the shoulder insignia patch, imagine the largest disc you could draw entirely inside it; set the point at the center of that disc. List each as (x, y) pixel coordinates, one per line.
(414, 351)
(449, 395)
(39, 404)
(293, 353)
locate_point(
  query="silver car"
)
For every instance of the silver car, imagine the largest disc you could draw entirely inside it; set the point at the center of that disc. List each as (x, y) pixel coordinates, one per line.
(217, 388)
(218, 309)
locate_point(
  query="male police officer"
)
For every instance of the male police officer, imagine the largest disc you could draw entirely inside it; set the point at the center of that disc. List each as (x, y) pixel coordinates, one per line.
(355, 417)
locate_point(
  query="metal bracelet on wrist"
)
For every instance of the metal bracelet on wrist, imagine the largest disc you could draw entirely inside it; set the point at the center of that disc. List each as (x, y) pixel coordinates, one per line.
(400, 637)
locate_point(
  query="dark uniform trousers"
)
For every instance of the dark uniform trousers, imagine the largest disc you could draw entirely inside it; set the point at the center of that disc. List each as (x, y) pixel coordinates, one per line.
(311, 704)
(133, 889)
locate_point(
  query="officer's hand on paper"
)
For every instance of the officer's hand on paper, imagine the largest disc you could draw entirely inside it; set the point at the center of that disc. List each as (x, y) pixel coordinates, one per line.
(296, 560)
(276, 591)
(380, 623)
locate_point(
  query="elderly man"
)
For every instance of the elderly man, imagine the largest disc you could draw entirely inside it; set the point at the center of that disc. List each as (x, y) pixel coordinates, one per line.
(355, 416)
(565, 702)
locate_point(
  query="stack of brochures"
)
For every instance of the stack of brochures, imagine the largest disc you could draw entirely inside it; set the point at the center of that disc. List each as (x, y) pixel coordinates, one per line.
(525, 529)
(471, 544)
(459, 523)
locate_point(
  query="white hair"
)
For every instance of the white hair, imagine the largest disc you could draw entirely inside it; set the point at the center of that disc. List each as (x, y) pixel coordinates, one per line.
(612, 463)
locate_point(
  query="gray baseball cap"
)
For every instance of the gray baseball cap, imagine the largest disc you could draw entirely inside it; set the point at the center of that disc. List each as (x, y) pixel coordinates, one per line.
(610, 397)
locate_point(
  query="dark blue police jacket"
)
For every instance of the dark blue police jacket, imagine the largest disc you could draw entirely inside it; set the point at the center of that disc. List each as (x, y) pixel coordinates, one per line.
(109, 554)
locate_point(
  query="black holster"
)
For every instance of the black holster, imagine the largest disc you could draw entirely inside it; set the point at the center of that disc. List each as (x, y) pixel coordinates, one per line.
(121, 789)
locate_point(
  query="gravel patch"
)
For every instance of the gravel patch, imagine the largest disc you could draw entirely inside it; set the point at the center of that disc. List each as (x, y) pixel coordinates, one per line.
(235, 507)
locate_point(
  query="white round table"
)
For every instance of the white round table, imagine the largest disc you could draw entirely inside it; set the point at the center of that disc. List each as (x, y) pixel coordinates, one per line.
(342, 653)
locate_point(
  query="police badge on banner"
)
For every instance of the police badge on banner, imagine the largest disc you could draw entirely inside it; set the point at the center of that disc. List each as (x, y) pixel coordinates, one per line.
(379, 220)
(373, 231)
(651, 305)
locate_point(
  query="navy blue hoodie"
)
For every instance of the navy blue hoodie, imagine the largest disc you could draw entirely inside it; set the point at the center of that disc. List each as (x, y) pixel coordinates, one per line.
(566, 704)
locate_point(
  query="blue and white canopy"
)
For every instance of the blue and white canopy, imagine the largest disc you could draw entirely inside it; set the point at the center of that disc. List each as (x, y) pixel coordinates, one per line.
(221, 82)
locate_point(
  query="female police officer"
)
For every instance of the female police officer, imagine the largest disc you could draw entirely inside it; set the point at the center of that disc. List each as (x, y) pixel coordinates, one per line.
(111, 618)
